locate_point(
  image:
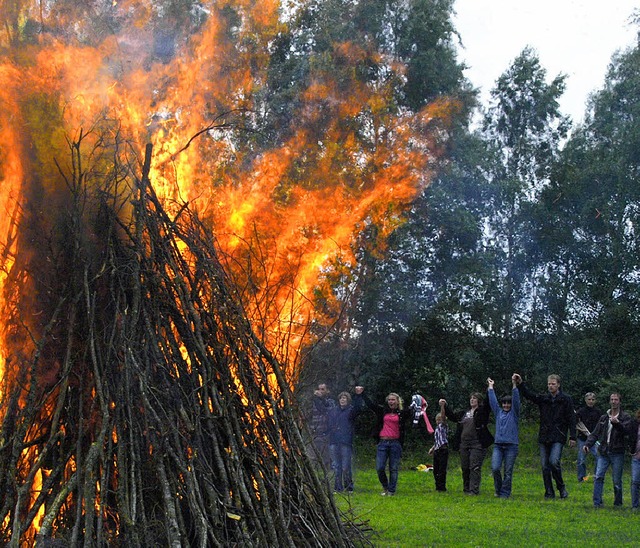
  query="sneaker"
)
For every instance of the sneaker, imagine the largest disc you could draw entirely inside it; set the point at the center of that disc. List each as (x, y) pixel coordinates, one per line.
(390, 494)
(563, 493)
(384, 493)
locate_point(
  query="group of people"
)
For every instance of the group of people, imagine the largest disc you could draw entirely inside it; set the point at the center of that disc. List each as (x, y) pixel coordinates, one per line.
(604, 435)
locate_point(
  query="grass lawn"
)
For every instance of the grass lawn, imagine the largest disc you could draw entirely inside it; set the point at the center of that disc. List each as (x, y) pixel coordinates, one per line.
(419, 516)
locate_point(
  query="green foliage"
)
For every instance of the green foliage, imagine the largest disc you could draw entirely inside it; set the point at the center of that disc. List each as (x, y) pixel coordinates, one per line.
(629, 389)
(426, 43)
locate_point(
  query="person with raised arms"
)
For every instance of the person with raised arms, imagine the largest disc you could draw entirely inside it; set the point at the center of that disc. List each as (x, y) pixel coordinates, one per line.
(389, 432)
(505, 449)
(557, 419)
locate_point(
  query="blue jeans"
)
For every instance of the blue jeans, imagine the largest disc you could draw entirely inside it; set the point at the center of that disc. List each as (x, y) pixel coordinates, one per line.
(582, 459)
(616, 461)
(503, 454)
(635, 483)
(550, 459)
(388, 450)
(341, 466)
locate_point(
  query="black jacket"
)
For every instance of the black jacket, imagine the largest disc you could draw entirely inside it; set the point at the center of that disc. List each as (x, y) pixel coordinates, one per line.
(632, 435)
(619, 432)
(556, 416)
(589, 417)
(381, 411)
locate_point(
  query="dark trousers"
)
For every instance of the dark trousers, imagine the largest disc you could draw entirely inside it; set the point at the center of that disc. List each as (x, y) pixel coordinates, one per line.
(471, 459)
(440, 462)
(550, 459)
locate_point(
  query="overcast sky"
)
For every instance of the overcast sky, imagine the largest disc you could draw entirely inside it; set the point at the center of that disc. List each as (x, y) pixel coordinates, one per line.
(574, 37)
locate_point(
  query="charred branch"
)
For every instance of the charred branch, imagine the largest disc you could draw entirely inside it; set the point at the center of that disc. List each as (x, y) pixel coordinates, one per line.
(166, 420)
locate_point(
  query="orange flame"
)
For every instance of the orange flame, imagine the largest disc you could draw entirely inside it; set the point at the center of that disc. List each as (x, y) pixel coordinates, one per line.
(305, 216)
(283, 218)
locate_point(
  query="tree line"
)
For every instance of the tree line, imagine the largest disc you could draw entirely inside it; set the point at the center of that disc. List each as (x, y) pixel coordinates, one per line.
(521, 255)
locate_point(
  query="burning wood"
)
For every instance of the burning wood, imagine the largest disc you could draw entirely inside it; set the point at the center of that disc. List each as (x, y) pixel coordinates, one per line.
(145, 396)
(148, 412)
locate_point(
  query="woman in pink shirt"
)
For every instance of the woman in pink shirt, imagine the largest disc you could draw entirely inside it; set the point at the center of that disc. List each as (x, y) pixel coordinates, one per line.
(389, 433)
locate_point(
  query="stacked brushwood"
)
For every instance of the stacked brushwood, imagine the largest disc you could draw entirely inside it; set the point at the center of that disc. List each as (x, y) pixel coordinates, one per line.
(146, 406)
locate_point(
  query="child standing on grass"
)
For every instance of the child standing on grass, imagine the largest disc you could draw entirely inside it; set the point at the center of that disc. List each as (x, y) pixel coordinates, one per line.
(440, 450)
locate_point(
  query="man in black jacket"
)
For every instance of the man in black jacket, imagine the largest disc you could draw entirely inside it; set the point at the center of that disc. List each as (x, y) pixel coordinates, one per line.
(586, 419)
(557, 417)
(610, 437)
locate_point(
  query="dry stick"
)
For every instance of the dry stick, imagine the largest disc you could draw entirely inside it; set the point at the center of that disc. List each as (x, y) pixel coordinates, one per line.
(78, 522)
(8, 473)
(61, 496)
(216, 454)
(193, 316)
(272, 405)
(173, 529)
(29, 412)
(198, 343)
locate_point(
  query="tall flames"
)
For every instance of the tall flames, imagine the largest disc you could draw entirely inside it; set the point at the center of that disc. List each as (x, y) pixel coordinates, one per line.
(143, 303)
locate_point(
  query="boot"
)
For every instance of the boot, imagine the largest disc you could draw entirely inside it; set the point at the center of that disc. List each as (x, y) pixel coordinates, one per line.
(549, 493)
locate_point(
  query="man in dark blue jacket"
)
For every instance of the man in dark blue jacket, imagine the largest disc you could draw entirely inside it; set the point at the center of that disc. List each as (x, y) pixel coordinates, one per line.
(341, 430)
(557, 417)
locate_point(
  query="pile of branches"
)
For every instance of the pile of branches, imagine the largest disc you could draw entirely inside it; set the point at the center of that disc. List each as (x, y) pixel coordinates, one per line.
(148, 412)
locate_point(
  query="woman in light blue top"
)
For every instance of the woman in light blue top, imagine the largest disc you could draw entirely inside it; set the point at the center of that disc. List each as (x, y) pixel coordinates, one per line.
(505, 449)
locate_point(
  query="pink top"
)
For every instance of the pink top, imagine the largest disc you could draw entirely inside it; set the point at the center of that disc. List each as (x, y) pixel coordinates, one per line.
(390, 426)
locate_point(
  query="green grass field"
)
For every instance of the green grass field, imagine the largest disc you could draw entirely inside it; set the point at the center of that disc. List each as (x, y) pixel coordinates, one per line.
(419, 516)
